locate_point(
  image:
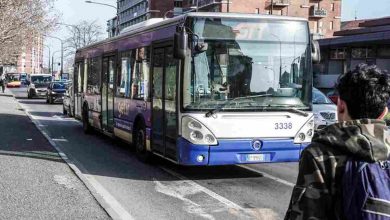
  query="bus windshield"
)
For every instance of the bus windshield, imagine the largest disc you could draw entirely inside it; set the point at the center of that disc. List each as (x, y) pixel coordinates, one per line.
(249, 64)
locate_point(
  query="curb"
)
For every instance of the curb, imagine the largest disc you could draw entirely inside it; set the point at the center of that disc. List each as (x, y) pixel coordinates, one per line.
(106, 201)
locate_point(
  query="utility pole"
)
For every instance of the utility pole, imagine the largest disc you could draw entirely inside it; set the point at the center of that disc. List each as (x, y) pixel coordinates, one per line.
(272, 7)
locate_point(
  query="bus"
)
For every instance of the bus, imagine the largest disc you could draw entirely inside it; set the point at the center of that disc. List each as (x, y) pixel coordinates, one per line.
(202, 88)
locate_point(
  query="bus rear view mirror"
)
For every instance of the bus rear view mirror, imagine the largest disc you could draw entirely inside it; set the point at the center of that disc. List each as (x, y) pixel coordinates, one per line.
(180, 44)
(315, 52)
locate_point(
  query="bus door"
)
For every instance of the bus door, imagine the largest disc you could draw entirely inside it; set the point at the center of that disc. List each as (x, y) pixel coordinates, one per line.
(164, 102)
(108, 93)
(78, 82)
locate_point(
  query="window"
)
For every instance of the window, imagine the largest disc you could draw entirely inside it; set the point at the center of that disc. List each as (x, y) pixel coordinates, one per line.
(178, 4)
(257, 10)
(331, 25)
(93, 76)
(332, 6)
(362, 53)
(337, 54)
(140, 81)
(124, 76)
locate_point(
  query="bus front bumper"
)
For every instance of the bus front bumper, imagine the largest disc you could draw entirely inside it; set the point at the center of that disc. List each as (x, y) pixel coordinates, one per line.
(229, 152)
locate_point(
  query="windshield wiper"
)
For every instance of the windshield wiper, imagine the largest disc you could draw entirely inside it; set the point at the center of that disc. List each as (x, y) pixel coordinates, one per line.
(298, 111)
(219, 108)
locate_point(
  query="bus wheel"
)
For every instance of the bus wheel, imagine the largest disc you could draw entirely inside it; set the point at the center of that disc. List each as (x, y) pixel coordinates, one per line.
(140, 144)
(86, 126)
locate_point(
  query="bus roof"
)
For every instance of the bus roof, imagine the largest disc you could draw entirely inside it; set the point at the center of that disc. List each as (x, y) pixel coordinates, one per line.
(161, 22)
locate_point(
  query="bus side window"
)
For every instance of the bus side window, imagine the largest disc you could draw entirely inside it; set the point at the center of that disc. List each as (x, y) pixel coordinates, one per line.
(140, 82)
(124, 76)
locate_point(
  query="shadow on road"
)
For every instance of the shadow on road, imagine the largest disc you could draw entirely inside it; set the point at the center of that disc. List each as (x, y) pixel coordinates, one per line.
(19, 137)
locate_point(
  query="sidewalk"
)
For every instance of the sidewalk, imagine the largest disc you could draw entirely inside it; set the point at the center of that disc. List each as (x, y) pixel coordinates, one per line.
(35, 183)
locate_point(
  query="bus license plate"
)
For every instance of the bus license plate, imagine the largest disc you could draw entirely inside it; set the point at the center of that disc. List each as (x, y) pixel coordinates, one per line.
(255, 157)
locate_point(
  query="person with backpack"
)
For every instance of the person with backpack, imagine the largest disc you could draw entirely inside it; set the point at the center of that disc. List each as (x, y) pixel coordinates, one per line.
(345, 172)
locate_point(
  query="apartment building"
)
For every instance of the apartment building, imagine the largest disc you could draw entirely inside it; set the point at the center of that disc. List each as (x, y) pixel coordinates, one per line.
(131, 12)
(30, 59)
(323, 15)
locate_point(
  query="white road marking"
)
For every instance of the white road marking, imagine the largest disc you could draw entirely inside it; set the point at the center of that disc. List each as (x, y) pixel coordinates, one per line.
(105, 199)
(196, 187)
(176, 190)
(60, 139)
(269, 176)
(180, 190)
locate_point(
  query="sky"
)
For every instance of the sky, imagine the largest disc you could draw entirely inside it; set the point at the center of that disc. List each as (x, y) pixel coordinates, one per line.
(74, 11)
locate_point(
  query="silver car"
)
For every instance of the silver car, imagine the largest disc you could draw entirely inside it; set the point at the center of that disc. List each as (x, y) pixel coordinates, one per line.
(325, 111)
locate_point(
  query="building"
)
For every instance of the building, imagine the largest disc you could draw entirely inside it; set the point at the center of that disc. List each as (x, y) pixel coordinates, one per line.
(360, 41)
(112, 25)
(323, 15)
(30, 59)
(134, 11)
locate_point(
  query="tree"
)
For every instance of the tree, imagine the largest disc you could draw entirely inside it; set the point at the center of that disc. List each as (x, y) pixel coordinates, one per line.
(83, 34)
(22, 21)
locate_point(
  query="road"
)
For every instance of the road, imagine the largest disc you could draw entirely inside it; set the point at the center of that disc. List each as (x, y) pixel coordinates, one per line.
(129, 189)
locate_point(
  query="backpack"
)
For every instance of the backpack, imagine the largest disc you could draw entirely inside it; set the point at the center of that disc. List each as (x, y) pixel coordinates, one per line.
(366, 190)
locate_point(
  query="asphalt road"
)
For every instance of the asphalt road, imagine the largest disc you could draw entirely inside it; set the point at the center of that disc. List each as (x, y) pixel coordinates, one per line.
(163, 190)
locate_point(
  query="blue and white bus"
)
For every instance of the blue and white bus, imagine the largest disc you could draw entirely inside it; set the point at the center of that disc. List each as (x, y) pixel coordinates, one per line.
(202, 88)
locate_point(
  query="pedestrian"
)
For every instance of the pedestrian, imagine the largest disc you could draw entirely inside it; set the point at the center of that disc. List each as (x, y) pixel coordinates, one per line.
(360, 138)
(2, 82)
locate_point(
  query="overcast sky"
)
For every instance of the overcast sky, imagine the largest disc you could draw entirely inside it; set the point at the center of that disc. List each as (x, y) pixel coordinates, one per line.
(74, 11)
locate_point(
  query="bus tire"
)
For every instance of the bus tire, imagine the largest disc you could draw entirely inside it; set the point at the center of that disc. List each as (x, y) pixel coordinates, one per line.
(140, 143)
(86, 126)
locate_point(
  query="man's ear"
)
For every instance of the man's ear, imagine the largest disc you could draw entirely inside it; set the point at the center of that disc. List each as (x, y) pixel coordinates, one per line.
(384, 113)
(341, 106)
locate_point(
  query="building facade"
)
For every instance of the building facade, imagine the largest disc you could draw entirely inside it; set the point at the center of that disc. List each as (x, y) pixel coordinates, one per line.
(361, 41)
(30, 59)
(131, 12)
(323, 15)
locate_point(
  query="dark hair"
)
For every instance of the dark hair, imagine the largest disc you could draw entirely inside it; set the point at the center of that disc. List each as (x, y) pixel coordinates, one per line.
(365, 90)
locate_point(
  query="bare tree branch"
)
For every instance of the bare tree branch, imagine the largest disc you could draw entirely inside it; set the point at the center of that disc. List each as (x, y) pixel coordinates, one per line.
(83, 34)
(21, 21)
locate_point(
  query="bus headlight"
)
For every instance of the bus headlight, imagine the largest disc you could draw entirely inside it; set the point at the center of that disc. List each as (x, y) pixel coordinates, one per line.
(196, 133)
(305, 134)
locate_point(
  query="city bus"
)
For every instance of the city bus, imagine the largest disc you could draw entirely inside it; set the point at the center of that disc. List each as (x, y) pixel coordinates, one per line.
(202, 88)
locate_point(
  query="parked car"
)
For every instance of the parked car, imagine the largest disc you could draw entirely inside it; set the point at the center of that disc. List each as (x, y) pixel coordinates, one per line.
(325, 111)
(55, 92)
(67, 104)
(37, 85)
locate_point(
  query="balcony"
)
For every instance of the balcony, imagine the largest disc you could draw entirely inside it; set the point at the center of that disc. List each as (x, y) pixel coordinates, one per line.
(318, 12)
(281, 3)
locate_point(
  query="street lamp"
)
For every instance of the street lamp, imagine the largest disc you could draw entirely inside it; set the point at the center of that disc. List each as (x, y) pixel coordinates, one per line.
(49, 56)
(111, 6)
(62, 53)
